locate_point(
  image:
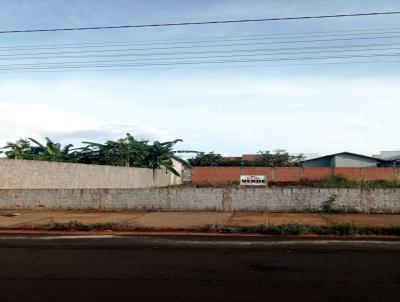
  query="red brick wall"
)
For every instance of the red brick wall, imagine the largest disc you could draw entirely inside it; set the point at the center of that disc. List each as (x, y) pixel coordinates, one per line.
(317, 173)
(382, 173)
(224, 175)
(353, 174)
(217, 175)
(257, 171)
(287, 174)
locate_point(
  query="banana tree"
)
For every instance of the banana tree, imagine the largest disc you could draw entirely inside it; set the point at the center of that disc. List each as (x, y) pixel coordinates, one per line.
(126, 151)
(52, 151)
(21, 149)
(161, 155)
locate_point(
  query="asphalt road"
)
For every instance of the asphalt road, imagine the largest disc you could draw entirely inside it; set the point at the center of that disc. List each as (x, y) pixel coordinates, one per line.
(197, 269)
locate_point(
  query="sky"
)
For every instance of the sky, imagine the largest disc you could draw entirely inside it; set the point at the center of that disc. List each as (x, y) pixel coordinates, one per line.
(227, 108)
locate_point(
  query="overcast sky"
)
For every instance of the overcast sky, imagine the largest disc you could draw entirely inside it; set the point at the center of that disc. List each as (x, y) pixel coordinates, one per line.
(232, 110)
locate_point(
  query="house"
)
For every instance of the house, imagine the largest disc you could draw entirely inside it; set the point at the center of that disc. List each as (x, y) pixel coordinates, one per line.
(395, 160)
(393, 156)
(346, 159)
(387, 154)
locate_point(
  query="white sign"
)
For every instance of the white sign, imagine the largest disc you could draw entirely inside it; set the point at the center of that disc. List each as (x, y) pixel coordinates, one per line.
(253, 180)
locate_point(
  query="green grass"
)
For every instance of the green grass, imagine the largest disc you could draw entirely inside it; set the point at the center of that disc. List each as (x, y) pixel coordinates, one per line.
(343, 229)
(334, 182)
(77, 226)
(341, 182)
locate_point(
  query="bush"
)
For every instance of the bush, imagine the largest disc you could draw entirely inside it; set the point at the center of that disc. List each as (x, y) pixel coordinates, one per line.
(341, 182)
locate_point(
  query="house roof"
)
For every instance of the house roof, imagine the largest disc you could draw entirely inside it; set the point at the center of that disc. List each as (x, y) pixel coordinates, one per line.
(251, 157)
(393, 158)
(348, 153)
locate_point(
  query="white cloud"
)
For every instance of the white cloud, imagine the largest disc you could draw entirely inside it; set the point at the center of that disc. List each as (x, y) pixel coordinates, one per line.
(40, 120)
(34, 119)
(234, 114)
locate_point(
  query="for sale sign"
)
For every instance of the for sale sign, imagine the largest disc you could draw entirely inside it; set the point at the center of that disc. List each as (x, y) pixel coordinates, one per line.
(253, 181)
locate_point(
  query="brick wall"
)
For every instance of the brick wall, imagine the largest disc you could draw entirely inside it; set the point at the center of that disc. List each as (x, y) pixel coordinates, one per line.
(316, 173)
(224, 175)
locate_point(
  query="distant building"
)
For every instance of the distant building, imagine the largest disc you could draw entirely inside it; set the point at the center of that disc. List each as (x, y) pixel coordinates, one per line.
(232, 157)
(393, 156)
(346, 159)
(388, 154)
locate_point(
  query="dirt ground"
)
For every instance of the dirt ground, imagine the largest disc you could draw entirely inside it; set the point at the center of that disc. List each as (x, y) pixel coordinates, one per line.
(160, 220)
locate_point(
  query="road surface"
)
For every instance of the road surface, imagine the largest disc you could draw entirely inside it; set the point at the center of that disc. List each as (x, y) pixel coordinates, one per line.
(197, 269)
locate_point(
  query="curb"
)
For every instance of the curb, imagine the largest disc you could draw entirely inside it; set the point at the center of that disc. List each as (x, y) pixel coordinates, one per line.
(195, 232)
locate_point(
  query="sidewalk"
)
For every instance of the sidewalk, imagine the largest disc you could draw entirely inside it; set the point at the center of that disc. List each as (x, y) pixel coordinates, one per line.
(188, 220)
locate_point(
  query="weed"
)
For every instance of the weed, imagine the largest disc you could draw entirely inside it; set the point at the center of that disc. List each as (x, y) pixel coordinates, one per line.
(329, 207)
(343, 229)
(77, 226)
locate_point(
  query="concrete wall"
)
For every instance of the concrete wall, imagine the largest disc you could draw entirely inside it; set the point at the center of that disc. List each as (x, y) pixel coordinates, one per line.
(203, 199)
(310, 199)
(156, 199)
(27, 174)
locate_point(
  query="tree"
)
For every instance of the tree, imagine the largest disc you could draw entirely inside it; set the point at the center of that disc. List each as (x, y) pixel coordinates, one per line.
(130, 152)
(126, 151)
(161, 155)
(280, 158)
(52, 151)
(206, 159)
(277, 158)
(21, 149)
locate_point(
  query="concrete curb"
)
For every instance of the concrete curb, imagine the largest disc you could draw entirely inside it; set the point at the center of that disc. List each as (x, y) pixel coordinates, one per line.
(197, 232)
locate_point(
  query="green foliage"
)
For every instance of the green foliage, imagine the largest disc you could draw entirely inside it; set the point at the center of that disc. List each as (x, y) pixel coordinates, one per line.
(161, 155)
(347, 228)
(329, 207)
(127, 151)
(78, 226)
(341, 182)
(342, 229)
(52, 151)
(207, 159)
(278, 158)
(21, 149)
